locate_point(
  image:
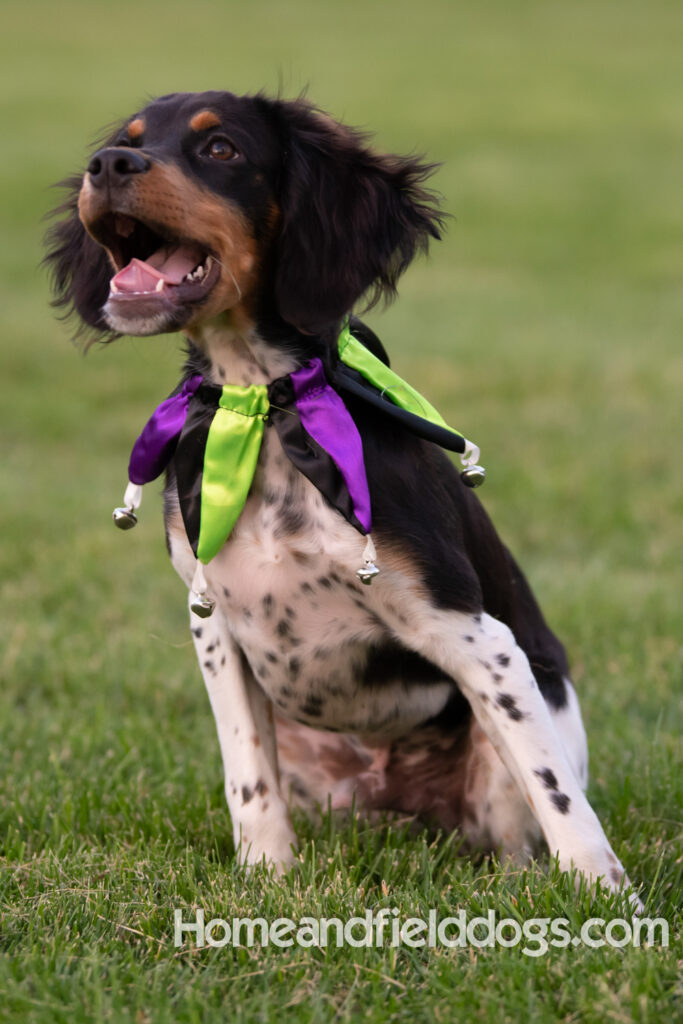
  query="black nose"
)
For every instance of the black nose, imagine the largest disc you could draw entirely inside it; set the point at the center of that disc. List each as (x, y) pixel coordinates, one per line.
(116, 165)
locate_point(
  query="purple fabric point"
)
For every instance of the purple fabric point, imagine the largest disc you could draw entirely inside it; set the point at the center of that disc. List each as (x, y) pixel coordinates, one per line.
(153, 449)
(325, 417)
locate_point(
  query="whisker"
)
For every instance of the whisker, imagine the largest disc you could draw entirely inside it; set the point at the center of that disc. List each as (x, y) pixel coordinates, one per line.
(234, 279)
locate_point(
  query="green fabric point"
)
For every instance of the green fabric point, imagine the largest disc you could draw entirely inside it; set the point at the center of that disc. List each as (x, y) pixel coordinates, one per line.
(354, 354)
(232, 451)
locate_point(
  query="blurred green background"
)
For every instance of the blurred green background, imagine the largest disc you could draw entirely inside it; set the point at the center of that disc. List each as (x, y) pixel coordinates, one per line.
(547, 326)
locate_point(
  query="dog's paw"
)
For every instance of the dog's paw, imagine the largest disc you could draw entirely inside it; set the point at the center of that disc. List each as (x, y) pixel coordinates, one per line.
(603, 868)
(276, 850)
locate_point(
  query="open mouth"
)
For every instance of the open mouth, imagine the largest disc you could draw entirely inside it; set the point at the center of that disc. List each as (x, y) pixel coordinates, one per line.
(156, 273)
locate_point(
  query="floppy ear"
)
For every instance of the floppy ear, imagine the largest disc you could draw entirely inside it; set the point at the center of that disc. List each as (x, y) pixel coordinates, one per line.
(352, 219)
(79, 268)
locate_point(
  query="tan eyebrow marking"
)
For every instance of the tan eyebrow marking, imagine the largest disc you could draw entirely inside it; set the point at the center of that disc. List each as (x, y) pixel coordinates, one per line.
(136, 127)
(203, 120)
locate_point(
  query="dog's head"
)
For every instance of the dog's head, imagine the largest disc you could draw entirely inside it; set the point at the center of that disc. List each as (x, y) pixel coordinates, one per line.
(202, 203)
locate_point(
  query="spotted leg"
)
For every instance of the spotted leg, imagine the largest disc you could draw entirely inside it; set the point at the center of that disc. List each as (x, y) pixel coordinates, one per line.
(244, 720)
(494, 675)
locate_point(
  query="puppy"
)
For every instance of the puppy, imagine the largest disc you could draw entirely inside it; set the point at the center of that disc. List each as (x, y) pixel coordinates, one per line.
(254, 226)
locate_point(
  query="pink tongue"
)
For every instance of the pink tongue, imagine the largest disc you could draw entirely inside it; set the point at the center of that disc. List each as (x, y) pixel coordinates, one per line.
(167, 265)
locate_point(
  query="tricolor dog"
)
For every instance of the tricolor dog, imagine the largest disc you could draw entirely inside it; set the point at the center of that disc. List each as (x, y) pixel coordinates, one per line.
(362, 631)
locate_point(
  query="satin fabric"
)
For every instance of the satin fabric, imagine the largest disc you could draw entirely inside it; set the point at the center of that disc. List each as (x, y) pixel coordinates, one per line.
(325, 417)
(304, 452)
(230, 457)
(213, 437)
(157, 442)
(354, 354)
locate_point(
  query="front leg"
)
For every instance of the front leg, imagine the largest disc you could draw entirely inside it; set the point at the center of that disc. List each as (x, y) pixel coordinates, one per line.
(494, 675)
(244, 721)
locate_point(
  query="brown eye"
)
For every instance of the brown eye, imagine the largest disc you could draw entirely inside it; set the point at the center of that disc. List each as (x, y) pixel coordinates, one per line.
(220, 149)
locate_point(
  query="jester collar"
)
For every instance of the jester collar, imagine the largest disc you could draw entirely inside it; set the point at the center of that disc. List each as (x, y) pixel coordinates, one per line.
(213, 435)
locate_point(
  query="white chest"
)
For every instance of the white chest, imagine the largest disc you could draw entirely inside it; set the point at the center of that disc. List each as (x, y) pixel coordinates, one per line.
(285, 584)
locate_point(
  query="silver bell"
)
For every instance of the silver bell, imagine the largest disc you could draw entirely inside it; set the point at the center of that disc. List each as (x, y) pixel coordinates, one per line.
(124, 518)
(367, 573)
(202, 605)
(473, 476)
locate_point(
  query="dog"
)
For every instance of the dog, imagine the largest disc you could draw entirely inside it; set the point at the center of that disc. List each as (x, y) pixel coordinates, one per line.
(254, 226)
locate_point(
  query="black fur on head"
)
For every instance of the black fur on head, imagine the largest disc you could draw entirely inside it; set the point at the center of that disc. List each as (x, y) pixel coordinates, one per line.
(79, 268)
(350, 220)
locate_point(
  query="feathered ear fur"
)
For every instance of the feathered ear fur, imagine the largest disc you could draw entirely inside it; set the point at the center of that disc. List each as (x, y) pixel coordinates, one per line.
(352, 219)
(79, 267)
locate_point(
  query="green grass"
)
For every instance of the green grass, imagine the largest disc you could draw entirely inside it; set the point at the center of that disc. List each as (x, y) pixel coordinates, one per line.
(547, 326)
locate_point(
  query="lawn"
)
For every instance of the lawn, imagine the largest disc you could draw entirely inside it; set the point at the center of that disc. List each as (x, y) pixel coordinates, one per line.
(547, 326)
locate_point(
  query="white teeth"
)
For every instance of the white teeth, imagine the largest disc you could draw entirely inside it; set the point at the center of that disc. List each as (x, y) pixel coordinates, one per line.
(160, 285)
(199, 272)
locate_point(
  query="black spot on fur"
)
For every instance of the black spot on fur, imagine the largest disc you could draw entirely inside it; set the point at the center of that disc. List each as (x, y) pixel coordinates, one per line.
(291, 520)
(325, 582)
(503, 660)
(267, 603)
(290, 613)
(509, 705)
(561, 801)
(197, 631)
(284, 629)
(247, 794)
(469, 639)
(311, 709)
(210, 666)
(375, 620)
(226, 593)
(272, 657)
(547, 777)
(307, 588)
(261, 787)
(294, 667)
